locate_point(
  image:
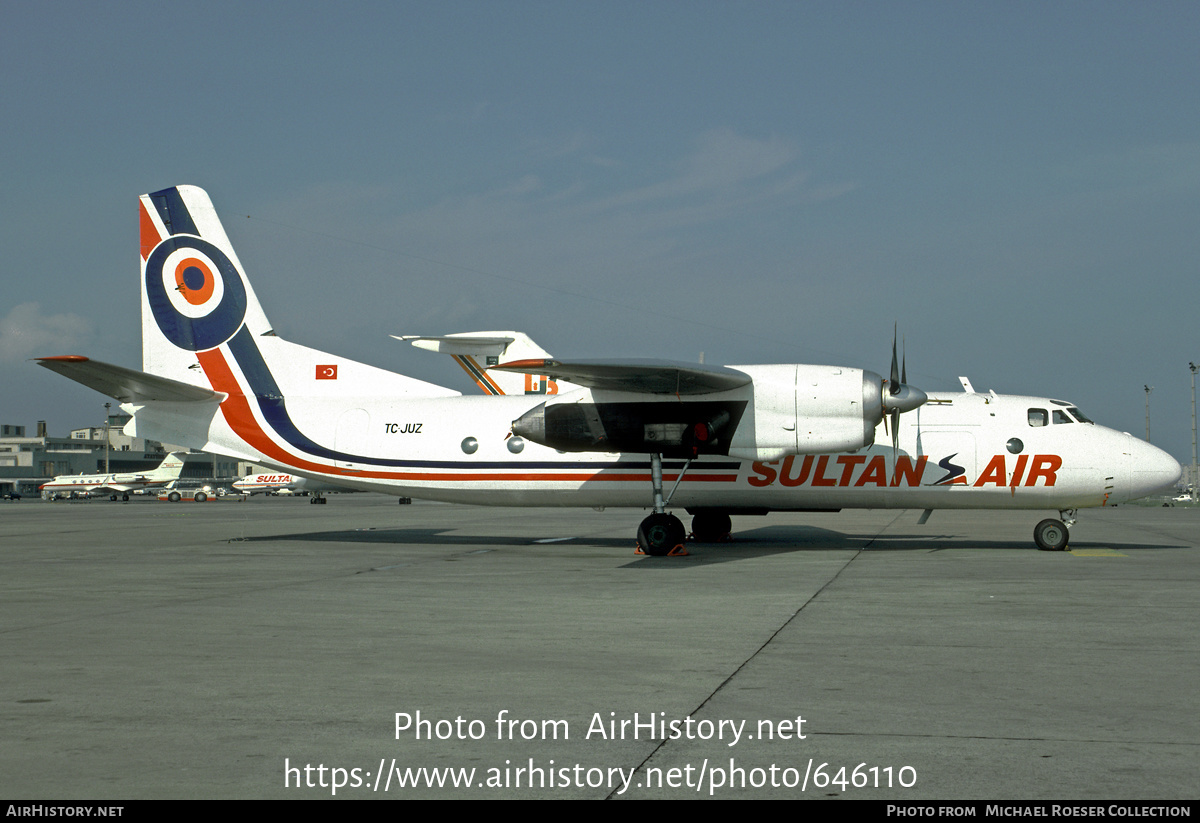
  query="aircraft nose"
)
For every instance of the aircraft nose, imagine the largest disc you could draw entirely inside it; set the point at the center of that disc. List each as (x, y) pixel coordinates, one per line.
(1152, 469)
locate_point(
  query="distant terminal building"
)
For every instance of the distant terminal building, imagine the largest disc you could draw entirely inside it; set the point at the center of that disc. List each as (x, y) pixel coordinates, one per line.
(28, 461)
(118, 440)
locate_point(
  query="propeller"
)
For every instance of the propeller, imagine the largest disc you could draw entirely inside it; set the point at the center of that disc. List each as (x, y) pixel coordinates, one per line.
(899, 397)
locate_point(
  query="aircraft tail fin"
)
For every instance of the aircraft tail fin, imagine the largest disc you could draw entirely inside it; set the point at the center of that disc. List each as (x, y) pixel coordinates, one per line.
(195, 295)
(197, 300)
(202, 325)
(170, 468)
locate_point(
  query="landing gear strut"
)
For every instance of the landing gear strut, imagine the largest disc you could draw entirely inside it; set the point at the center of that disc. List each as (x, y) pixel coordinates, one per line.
(661, 534)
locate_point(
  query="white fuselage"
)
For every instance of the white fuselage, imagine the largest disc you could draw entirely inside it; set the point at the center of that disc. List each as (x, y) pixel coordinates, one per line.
(275, 481)
(101, 482)
(954, 452)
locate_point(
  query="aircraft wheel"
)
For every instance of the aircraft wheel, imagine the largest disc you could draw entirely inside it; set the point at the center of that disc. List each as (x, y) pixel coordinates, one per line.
(201, 497)
(125, 498)
(174, 497)
(658, 534)
(114, 497)
(1051, 536)
(711, 527)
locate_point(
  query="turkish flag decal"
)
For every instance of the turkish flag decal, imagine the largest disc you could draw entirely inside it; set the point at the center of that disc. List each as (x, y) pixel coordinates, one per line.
(327, 372)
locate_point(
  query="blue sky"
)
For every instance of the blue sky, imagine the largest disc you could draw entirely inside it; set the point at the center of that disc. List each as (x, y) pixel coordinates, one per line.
(1017, 185)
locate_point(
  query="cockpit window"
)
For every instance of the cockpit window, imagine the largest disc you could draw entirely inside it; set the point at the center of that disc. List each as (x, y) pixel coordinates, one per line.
(1038, 417)
(1061, 416)
(1080, 416)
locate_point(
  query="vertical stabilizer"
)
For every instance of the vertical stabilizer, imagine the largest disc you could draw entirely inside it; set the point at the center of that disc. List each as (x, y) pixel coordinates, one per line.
(195, 294)
(202, 324)
(170, 468)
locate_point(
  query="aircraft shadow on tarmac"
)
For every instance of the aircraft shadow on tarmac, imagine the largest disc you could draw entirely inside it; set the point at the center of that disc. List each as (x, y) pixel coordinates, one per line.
(801, 537)
(747, 544)
(440, 537)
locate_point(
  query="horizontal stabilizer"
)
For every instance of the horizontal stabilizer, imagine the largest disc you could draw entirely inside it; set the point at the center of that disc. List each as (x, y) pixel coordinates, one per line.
(126, 385)
(649, 376)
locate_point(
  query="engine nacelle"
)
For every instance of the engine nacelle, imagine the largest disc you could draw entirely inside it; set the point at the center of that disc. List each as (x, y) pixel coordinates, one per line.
(787, 409)
(803, 409)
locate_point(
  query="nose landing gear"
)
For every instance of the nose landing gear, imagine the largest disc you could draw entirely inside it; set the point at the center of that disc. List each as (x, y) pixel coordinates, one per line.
(1053, 535)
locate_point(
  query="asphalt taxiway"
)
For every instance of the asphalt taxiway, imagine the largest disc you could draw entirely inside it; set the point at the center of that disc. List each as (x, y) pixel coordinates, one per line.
(264, 649)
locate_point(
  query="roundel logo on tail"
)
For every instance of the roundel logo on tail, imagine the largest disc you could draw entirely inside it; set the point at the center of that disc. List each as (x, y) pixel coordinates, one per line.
(195, 293)
(196, 281)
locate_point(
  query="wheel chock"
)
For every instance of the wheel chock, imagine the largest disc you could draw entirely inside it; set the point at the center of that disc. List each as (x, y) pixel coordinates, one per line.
(678, 551)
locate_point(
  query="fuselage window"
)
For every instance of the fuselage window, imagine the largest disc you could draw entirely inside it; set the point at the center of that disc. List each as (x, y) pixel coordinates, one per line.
(1038, 417)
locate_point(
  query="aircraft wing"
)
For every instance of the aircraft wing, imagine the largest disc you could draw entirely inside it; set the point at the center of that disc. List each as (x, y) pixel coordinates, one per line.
(125, 385)
(647, 376)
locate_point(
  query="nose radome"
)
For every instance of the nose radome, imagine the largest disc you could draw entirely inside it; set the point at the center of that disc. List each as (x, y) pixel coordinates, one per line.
(1153, 470)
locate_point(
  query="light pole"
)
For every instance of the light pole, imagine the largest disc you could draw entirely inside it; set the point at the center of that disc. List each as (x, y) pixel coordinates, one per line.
(1148, 390)
(1192, 366)
(106, 408)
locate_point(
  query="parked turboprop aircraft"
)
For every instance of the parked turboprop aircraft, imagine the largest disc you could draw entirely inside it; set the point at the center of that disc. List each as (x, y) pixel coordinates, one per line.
(166, 472)
(744, 439)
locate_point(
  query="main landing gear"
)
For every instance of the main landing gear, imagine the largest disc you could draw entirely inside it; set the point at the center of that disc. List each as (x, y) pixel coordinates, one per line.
(1053, 535)
(661, 534)
(711, 527)
(317, 498)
